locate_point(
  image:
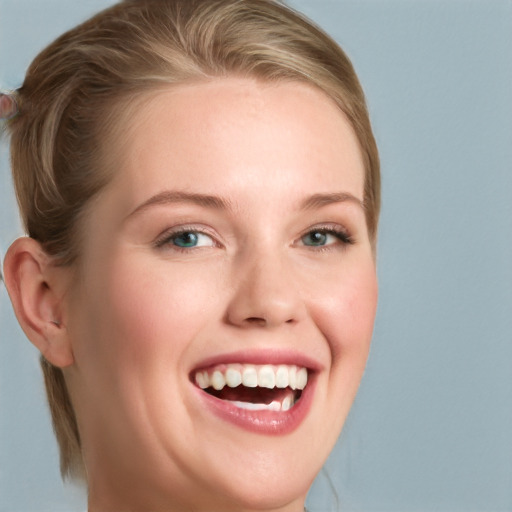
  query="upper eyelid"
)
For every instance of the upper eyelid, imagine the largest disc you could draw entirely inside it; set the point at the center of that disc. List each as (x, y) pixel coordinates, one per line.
(333, 227)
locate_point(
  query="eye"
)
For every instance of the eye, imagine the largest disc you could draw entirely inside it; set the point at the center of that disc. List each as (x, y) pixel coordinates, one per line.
(322, 237)
(189, 239)
(185, 239)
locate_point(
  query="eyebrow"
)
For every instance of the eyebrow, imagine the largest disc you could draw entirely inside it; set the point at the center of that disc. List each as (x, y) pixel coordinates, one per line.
(218, 203)
(319, 200)
(173, 197)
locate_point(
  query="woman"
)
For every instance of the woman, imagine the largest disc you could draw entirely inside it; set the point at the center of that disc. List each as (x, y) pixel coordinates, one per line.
(200, 186)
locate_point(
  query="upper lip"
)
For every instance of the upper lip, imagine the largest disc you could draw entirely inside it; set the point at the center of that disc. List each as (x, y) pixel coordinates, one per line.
(261, 357)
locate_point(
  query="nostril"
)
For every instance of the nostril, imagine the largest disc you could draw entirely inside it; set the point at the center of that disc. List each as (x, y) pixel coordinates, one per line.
(262, 322)
(254, 320)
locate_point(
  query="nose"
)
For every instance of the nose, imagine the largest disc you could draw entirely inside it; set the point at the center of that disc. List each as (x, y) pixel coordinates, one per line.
(265, 295)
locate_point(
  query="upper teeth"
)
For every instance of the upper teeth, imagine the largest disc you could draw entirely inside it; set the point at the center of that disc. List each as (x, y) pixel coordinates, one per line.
(265, 376)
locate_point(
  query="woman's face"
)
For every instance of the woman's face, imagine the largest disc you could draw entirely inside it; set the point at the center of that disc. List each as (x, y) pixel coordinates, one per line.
(230, 246)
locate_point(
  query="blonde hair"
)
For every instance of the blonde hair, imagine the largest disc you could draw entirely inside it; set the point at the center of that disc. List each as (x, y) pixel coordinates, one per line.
(74, 90)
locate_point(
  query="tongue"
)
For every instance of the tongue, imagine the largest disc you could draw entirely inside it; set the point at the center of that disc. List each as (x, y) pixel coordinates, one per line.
(254, 395)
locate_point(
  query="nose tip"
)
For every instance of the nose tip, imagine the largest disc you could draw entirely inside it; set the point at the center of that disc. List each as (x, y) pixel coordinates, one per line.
(266, 296)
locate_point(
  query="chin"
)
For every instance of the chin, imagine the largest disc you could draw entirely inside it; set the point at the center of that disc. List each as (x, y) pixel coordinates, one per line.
(265, 479)
(262, 493)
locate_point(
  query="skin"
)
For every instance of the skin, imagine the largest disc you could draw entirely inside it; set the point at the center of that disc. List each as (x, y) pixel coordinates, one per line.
(137, 314)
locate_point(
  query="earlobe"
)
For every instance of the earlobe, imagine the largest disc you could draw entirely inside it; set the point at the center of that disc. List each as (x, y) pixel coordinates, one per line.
(37, 298)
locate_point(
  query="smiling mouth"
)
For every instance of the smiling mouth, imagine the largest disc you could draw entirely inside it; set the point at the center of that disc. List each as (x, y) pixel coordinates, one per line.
(254, 387)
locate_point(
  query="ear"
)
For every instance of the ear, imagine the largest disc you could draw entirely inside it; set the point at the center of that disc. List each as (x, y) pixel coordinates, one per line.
(37, 291)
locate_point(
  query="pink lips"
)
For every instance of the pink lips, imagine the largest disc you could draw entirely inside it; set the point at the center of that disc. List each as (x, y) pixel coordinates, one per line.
(262, 421)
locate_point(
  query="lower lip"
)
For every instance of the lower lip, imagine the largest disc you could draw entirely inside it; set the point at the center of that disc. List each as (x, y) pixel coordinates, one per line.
(262, 422)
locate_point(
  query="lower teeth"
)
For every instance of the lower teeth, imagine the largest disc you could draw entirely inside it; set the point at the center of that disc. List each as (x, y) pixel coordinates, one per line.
(285, 405)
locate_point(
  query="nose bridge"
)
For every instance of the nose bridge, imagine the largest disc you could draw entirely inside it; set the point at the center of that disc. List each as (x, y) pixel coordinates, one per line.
(266, 293)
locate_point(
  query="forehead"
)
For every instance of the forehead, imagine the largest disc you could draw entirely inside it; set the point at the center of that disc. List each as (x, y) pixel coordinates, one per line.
(236, 134)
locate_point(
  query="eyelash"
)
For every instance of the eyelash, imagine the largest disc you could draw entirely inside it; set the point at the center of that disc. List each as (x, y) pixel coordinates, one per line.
(342, 235)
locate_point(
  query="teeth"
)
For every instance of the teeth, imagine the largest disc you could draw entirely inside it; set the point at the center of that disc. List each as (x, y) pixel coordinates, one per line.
(218, 381)
(282, 377)
(266, 377)
(233, 377)
(276, 406)
(292, 377)
(202, 380)
(286, 403)
(249, 406)
(302, 378)
(251, 376)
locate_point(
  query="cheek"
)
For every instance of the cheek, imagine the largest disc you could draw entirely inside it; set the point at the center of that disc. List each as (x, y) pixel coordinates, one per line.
(345, 312)
(144, 314)
(347, 324)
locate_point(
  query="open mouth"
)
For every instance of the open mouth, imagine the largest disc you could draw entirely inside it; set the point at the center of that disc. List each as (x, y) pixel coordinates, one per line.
(254, 387)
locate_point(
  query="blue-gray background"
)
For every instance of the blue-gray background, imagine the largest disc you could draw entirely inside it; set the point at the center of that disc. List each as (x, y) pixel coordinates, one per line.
(432, 425)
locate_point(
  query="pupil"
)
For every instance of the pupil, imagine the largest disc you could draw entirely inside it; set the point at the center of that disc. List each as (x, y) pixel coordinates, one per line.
(186, 239)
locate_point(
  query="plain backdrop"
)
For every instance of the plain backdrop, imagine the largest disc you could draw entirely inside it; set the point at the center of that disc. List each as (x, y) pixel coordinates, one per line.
(431, 427)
